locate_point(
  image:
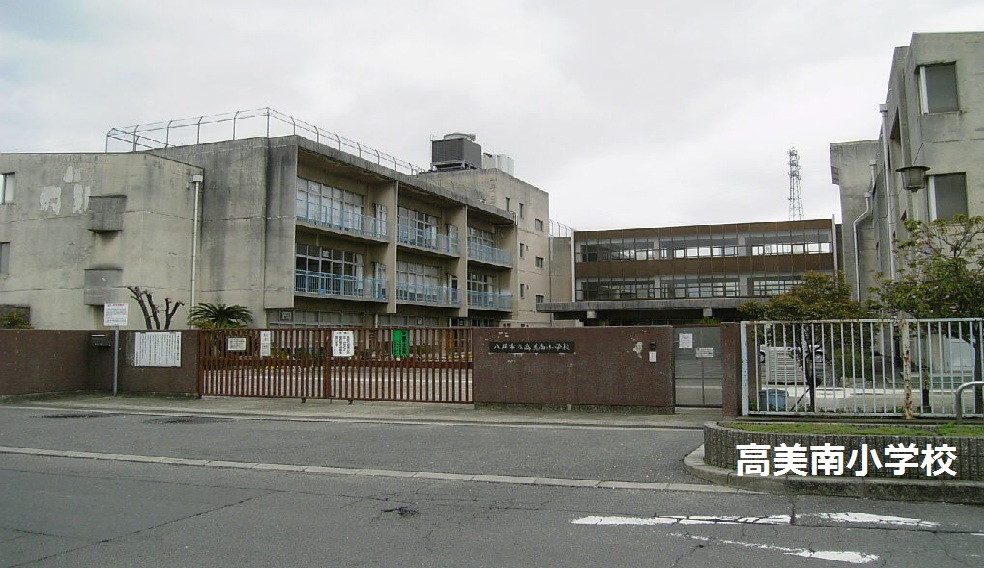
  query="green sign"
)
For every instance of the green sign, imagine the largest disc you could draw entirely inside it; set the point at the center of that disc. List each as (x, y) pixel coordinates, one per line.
(401, 343)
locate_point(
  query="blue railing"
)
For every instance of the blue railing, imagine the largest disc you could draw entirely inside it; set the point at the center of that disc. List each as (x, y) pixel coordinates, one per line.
(424, 294)
(479, 251)
(490, 300)
(339, 220)
(427, 239)
(325, 284)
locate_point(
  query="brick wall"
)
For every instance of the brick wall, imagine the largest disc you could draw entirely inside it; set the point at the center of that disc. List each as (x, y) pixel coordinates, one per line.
(609, 367)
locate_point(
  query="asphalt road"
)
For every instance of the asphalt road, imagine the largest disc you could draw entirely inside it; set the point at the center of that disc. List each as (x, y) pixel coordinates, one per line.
(64, 511)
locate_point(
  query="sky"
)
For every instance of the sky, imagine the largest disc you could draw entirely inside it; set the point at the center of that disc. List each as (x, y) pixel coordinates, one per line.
(628, 113)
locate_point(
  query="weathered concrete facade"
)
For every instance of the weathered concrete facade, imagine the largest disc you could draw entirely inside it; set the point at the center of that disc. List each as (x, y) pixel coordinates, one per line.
(529, 246)
(81, 226)
(300, 233)
(933, 116)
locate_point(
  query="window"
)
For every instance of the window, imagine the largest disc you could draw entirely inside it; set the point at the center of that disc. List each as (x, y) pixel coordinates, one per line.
(4, 258)
(938, 88)
(6, 188)
(539, 262)
(522, 290)
(327, 205)
(522, 211)
(538, 224)
(947, 195)
(540, 298)
(522, 250)
(507, 205)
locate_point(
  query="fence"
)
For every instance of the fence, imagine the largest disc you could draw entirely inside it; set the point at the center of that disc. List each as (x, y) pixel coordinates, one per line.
(861, 367)
(418, 365)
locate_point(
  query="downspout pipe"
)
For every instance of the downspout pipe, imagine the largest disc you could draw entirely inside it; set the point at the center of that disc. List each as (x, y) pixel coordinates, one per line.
(857, 231)
(196, 180)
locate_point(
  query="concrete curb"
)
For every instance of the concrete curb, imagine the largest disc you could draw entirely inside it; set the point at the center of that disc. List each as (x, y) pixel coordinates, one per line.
(963, 492)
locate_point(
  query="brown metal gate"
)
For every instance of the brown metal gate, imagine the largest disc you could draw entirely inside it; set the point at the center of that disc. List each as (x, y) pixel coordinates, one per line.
(414, 365)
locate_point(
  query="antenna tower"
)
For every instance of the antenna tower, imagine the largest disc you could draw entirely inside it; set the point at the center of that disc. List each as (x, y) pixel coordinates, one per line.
(795, 193)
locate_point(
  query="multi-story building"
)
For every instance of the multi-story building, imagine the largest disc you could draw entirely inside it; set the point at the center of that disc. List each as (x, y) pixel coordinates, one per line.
(931, 123)
(298, 231)
(685, 274)
(529, 207)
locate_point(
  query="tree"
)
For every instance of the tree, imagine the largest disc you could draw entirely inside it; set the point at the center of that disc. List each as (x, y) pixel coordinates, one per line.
(219, 316)
(151, 311)
(941, 272)
(941, 275)
(817, 297)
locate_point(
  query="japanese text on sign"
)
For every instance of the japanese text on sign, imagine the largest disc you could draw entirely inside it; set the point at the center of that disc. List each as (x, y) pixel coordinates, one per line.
(343, 343)
(755, 459)
(531, 347)
(401, 343)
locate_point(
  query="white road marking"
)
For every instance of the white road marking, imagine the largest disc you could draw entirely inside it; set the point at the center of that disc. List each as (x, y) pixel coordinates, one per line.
(682, 520)
(868, 518)
(858, 518)
(835, 555)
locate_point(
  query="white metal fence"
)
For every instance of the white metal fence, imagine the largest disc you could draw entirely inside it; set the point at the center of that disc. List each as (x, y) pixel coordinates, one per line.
(862, 367)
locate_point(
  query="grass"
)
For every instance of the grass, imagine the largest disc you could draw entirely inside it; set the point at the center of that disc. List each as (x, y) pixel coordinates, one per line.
(962, 430)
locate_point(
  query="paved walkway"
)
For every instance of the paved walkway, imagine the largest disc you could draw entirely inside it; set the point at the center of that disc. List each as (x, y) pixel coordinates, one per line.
(361, 411)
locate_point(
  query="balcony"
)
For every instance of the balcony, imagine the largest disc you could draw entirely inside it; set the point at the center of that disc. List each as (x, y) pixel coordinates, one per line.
(424, 294)
(428, 240)
(490, 301)
(339, 286)
(488, 254)
(341, 221)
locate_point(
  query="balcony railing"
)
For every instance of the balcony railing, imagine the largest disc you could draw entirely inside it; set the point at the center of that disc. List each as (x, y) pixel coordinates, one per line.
(427, 239)
(490, 300)
(424, 294)
(336, 285)
(486, 253)
(340, 220)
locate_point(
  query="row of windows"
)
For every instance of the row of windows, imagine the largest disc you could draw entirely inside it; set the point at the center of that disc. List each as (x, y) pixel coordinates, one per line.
(713, 246)
(682, 287)
(329, 261)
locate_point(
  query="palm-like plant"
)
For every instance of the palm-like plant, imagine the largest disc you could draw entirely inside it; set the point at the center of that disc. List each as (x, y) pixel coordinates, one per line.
(219, 316)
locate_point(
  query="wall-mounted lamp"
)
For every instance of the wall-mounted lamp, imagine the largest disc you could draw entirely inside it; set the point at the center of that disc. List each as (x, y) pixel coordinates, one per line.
(913, 177)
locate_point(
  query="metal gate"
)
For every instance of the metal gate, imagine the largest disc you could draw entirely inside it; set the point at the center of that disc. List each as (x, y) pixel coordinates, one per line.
(697, 366)
(414, 365)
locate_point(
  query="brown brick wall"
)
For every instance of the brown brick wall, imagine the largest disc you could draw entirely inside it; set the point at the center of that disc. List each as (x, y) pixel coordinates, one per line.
(610, 367)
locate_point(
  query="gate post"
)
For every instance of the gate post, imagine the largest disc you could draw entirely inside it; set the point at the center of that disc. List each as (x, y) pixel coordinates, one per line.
(732, 368)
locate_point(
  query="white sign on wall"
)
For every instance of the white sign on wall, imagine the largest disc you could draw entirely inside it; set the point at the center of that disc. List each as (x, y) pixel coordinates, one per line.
(686, 341)
(157, 349)
(266, 343)
(236, 343)
(343, 343)
(115, 315)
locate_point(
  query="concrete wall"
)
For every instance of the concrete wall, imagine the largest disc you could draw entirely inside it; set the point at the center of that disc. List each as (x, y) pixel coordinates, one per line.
(851, 169)
(62, 269)
(47, 361)
(610, 367)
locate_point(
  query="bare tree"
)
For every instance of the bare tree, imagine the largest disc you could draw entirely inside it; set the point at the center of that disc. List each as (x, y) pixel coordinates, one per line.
(151, 311)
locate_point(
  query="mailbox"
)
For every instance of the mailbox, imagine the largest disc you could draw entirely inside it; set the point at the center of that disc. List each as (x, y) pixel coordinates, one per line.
(101, 340)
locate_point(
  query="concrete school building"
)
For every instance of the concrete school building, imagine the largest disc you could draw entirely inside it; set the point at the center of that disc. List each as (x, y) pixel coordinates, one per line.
(298, 228)
(679, 275)
(932, 122)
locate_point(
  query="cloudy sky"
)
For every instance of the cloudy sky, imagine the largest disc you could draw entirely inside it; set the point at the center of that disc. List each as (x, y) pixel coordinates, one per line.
(628, 112)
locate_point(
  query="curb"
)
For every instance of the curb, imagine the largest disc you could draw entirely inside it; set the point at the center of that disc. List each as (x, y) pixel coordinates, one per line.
(962, 492)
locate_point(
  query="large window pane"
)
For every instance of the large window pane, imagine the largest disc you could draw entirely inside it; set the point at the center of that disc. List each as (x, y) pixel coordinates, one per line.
(950, 195)
(940, 88)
